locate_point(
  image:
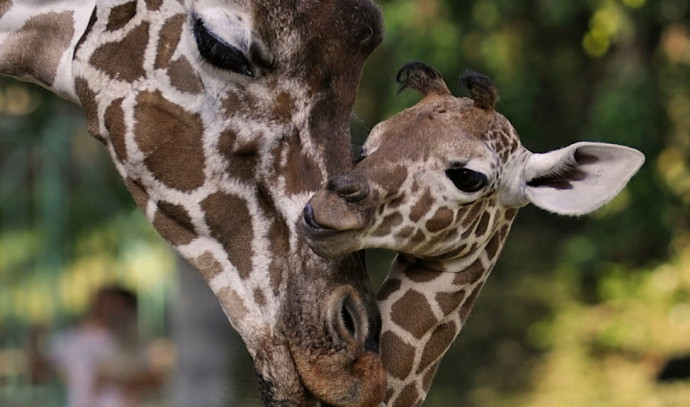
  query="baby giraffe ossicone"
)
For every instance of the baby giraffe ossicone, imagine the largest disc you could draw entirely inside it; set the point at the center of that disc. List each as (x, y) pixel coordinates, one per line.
(441, 183)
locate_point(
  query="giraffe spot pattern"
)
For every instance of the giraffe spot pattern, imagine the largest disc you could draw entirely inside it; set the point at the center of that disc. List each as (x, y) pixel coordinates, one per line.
(388, 223)
(493, 246)
(154, 4)
(440, 340)
(184, 77)
(419, 275)
(169, 38)
(441, 220)
(259, 297)
(405, 233)
(141, 197)
(394, 178)
(280, 243)
(458, 252)
(279, 263)
(301, 172)
(470, 229)
(120, 15)
(87, 31)
(241, 163)
(422, 207)
(283, 106)
(471, 275)
(418, 238)
(483, 224)
(26, 51)
(114, 120)
(429, 376)
(124, 60)
(408, 396)
(232, 304)
(395, 203)
(243, 102)
(5, 6)
(169, 135)
(389, 394)
(472, 215)
(230, 222)
(207, 265)
(87, 100)
(174, 224)
(413, 313)
(449, 302)
(398, 356)
(389, 287)
(467, 306)
(503, 233)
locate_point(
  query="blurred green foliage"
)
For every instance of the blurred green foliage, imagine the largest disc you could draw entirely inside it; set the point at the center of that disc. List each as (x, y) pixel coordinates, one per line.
(577, 312)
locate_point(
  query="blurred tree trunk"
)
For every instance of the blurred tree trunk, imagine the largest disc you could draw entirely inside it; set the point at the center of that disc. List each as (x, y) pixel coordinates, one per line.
(205, 344)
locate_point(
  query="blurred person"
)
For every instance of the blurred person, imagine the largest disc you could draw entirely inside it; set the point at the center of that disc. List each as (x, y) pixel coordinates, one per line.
(100, 359)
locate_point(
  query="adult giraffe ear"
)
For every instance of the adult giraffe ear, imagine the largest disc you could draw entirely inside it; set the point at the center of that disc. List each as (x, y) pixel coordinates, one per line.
(580, 178)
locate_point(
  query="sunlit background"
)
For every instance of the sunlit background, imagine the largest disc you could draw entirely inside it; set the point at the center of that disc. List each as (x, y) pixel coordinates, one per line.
(577, 312)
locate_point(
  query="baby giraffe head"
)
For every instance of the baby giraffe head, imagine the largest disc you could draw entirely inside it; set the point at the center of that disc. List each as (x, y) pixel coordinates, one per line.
(443, 179)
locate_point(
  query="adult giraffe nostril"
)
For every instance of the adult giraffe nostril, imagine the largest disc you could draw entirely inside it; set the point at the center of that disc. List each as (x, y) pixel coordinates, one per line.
(348, 188)
(348, 318)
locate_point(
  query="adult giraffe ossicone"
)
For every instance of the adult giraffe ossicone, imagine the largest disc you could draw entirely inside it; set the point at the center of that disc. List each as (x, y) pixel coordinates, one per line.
(441, 183)
(223, 117)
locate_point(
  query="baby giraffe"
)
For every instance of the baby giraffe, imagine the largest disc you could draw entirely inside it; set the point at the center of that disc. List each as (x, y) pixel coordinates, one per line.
(441, 183)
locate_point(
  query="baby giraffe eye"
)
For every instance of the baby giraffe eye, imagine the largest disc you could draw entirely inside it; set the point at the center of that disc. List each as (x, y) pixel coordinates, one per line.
(220, 54)
(467, 180)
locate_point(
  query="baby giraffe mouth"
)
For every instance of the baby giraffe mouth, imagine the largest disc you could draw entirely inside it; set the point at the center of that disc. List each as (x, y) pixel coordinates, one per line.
(327, 240)
(310, 220)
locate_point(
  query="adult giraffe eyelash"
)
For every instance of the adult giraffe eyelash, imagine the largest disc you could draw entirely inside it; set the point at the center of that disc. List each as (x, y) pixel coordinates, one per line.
(220, 54)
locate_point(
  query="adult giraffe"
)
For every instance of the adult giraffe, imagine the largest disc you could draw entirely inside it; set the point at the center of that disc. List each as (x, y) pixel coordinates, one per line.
(223, 117)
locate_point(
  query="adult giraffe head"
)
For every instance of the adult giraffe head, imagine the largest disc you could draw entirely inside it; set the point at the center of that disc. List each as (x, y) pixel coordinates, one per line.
(223, 117)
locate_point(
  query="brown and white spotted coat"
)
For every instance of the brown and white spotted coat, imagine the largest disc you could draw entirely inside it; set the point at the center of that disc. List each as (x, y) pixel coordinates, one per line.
(441, 183)
(223, 117)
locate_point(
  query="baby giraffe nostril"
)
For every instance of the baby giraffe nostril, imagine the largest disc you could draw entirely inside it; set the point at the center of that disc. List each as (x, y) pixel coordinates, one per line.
(348, 188)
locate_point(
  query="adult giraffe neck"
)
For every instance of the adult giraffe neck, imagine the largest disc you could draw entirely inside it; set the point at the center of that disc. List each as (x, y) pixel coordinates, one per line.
(38, 40)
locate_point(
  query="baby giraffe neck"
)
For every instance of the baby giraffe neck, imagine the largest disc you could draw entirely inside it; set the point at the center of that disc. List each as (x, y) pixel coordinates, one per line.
(427, 302)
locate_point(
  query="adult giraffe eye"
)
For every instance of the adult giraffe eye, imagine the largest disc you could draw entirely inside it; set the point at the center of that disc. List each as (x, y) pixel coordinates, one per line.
(220, 54)
(467, 180)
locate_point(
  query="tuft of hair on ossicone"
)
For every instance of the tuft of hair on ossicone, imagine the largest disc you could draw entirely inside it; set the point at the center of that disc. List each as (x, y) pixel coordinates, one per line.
(423, 78)
(481, 88)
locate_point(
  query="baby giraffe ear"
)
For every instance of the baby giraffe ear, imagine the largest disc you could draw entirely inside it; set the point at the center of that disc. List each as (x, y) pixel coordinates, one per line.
(580, 178)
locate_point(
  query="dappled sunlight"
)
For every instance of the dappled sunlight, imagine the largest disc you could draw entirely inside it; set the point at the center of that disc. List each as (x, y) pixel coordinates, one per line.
(609, 354)
(676, 44)
(17, 100)
(610, 24)
(147, 265)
